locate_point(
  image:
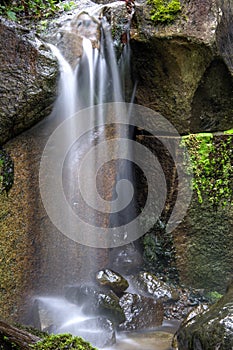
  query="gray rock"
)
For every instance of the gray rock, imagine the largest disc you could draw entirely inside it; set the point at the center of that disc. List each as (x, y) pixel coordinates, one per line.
(96, 301)
(209, 329)
(113, 280)
(140, 312)
(27, 81)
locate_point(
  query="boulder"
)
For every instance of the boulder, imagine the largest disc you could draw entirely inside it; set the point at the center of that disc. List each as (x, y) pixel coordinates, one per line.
(140, 312)
(113, 280)
(28, 79)
(96, 301)
(149, 285)
(210, 329)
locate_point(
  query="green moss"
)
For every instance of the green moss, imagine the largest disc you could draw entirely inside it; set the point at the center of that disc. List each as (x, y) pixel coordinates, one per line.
(164, 11)
(228, 132)
(212, 161)
(62, 341)
(213, 296)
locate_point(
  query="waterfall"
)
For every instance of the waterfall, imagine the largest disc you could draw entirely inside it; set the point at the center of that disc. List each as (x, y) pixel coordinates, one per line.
(95, 80)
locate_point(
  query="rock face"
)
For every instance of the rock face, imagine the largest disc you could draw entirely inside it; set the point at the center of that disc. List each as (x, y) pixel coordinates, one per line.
(184, 70)
(211, 329)
(27, 82)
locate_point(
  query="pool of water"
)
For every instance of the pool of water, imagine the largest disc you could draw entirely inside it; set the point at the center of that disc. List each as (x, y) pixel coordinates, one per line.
(158, 339)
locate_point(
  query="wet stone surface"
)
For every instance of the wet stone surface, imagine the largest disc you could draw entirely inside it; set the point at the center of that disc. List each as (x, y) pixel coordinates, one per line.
(113, 280)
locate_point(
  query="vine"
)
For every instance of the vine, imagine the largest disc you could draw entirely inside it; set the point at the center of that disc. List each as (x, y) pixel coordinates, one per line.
(164, 11)
(212, 165)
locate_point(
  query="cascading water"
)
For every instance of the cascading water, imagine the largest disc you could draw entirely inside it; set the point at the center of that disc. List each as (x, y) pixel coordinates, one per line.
(96, 79)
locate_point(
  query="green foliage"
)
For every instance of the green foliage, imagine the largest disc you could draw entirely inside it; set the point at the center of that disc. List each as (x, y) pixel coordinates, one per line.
(33, 9)
(164, 11)
(212, 161)
(62, 341)
(68, 6)
(6, 172)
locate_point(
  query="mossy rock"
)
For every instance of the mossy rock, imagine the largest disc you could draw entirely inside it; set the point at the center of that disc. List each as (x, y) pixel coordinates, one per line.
(212, 329)
(63, 341)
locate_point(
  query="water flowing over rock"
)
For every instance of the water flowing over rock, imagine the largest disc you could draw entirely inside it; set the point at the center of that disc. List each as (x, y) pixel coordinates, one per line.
(140, 312)
(28, 79)
(96, 301)
(113, 280)
(209, 329)
(99, 331)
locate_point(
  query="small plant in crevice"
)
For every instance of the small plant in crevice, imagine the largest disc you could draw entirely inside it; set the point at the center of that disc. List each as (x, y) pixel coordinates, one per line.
(213, 297)
(6, 172)
(159, 252)
(212, 166)
(164, 11)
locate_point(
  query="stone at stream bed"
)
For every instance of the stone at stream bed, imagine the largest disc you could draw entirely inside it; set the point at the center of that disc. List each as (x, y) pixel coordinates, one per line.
(211, 329)
(113, 280)
(96, 301)
(140, 312)
(149, 285)
(99, 331)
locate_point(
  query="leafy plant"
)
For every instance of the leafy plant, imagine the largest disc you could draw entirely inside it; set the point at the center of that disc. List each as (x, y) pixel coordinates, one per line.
(159, 252)
(33, 9)
(62, 341)
(164, 11)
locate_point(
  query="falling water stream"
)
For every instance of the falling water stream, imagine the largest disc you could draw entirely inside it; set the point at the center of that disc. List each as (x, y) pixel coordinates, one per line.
(96, 79)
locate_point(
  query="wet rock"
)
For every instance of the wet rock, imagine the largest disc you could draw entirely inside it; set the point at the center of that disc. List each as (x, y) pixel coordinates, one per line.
(150, 285)
(208, 329)
(27, 82)
(96, 301)
(113, 280)
(99, 331)
(140, 312)
(68, 35)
